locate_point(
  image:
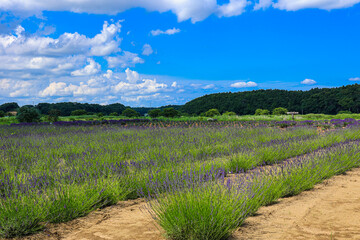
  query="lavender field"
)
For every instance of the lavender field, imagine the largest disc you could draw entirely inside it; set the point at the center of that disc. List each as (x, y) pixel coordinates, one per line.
(202, 179)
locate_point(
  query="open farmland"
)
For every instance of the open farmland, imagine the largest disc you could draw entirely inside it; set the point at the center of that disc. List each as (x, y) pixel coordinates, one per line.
(202, 179)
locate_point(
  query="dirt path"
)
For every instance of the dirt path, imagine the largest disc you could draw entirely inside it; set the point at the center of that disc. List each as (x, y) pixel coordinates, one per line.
(127, 220)
(329, 211)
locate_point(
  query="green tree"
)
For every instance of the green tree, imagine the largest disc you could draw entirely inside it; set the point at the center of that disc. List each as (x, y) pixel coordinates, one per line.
(79, 112)
(258, 112)
(169, 112)
(27, 114)
(2, 114)
(212, 112)
(154, 113)
(114, 114)
(53, 115)
(279, 111)
(7, 107)
(265, 112)
(130, 113)
(229, 113)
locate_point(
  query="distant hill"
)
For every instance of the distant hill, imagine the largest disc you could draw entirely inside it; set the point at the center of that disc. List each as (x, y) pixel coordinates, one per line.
(67, 107)
(317, 100)
(144, 110)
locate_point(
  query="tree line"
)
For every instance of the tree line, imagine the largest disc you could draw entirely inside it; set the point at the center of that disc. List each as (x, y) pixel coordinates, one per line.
(316, 100)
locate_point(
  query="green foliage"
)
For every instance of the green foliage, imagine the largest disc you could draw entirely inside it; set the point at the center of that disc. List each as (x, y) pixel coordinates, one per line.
(130, 113)
(87, 167)
(7, 107)
(53, 115)
(259, 112)
(209, 212)
(324, 100)
(27, 114)
(212, 113)
(169, 112)
(229, 114)
(114, 114)
(100, 114)
(2, 114)
(214, 211)
(79, 112)
(344, 112)
(154, 113)
(279, 111)
(67, 107)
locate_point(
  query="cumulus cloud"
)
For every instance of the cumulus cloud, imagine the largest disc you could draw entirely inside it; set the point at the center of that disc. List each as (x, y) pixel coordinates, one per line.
(58, 69)
(64, 89)
(355, 79)
(108, 74)
(171, 31)
(90, 69)
(308, 82)
(127, 59)
(129, 87)
(243, 84)
(209, 86)
(263, 4)
(15, 88)
(185, 9)
(147, 50)
(102, 44)
(233, 8)
(132, 76)
(44, 56)
(293, 5)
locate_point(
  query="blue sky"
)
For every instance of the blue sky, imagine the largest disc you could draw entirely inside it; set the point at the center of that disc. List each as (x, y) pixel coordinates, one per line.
(160, 52)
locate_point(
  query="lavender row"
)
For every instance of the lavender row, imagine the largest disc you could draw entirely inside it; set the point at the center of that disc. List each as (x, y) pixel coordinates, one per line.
(211, 211)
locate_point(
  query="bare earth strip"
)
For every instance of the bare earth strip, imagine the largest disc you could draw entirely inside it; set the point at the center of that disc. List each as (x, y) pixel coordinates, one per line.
(329, 211)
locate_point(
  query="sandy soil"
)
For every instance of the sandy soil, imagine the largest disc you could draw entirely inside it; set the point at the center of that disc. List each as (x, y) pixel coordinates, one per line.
(329, 211)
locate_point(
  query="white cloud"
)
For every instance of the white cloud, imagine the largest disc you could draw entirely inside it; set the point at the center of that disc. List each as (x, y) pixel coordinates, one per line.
(108, 74)
(156, 96)
(90, 69)
(147, 50)
(146, 86)
(64, 89)
(102, 44)
(209, 86)
(308, 82)
(45, 64)
(233, 8)
(127, 59)
(171, 31)
(15, 88)
(293, 5)
(263, 4)
(132, 76)
(355, 79)
(243, 84)
(129, 87)
(184, 9)
(174, 84)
